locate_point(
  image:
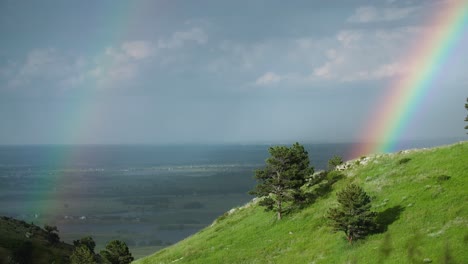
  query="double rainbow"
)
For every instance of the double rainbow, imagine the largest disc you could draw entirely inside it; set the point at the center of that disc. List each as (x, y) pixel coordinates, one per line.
(403, 97)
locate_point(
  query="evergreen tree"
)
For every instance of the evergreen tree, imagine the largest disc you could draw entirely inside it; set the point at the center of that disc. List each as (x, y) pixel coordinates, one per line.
(117, 252)
(81, 255)
(86, 241)
(335, 161)
(280, 181)
(52, 234)
(353, 216)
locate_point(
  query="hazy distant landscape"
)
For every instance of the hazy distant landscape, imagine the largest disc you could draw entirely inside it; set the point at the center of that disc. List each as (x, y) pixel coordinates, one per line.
(148, 196)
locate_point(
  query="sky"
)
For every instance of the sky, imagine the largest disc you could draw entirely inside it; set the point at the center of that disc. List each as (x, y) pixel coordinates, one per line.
(136, 72)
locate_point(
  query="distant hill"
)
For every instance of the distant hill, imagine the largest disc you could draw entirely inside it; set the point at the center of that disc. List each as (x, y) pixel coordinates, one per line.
(422, 204)
(21, 242)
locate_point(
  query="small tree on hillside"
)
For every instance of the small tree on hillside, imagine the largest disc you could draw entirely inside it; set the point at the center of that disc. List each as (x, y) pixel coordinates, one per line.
(334, 161)
(81, 255)
(353, 216)
(52, 234)
(86, 241)
(117, 252)
(281, 179)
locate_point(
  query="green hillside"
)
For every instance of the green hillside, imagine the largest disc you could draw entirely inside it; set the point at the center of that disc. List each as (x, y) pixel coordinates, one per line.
(422, 204)
(21, 242)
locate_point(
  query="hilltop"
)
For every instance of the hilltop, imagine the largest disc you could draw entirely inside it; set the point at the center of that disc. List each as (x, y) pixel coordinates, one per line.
(25, 242)
(420, 197)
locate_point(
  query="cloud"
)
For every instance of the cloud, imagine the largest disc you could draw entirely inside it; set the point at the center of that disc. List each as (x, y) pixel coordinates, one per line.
(367, 14)
(268, 79)
(323, 71)
(349, 60)
(179, 38)
(349, 56)
(137, 49)
(123, 63)
(116, 66)
(42, 65)
(348, 37)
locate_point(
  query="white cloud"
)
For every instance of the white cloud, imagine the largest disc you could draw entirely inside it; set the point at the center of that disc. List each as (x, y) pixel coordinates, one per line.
(348, 37)
(179, 38)
(367, 14)
(124, 63)
(138, 49)
(268, 79)
(381, 72)
(42, 65)
(367, 55)
(323, 71)
(115, 66)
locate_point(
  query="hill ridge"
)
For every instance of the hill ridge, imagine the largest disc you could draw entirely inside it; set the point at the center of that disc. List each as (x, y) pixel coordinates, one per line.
(419, 192)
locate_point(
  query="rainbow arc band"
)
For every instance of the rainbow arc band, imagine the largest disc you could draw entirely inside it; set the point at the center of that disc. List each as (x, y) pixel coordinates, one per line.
(402, 98)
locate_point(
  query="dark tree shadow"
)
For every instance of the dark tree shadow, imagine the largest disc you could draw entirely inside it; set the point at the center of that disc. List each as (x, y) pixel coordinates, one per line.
(387, 217)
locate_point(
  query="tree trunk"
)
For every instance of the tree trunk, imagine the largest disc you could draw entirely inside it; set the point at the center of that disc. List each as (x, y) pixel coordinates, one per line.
(279, 208)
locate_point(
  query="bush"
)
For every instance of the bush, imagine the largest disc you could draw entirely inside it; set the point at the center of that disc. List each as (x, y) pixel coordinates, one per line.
(404, 160)
(52, 234)
(87, 242)
(335, 161)
(82, 254)
(442, 178)
(117, 252)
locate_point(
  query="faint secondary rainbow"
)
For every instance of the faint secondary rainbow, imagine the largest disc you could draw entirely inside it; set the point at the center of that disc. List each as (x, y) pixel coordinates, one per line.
(402, 98)
(82, 116)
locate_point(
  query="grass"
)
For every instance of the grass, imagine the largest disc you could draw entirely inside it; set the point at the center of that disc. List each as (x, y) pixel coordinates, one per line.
(13, 239)
(420, 196)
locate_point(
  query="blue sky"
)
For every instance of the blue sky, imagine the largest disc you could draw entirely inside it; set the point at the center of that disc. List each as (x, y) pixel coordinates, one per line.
(110, 72)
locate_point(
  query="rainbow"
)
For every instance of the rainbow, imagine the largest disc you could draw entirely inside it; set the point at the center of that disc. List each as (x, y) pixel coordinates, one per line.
(83, 113)
(401, 99)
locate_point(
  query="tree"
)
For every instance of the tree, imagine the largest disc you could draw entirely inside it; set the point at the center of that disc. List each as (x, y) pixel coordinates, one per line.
(334, 161)
(86, 241)
(466, 107)
(280, 181)
(117, 252)
(82, 254)
(52, 233)
(353, 216)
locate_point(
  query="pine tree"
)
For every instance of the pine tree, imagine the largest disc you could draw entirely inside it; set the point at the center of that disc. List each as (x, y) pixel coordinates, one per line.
(280, 181)
(353, 216)
(82, 254)
(117, 252)
(52, 234)
(335, 161)
(86, 241)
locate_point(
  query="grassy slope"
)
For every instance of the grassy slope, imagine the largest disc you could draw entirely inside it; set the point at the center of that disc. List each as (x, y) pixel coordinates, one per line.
(12, 234)
(428, 218)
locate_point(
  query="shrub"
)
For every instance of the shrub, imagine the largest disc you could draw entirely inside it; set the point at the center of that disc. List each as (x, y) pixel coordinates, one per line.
(87, 242)
(117, 252)
(442, 178)
(404, 160)
(82, 254)
(334, 162)
(52, 234)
